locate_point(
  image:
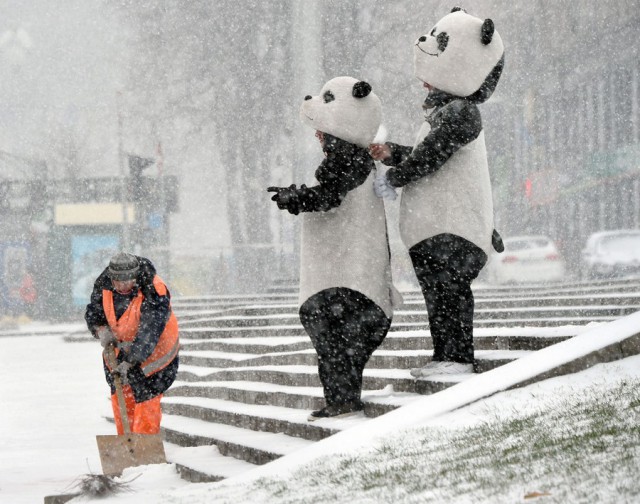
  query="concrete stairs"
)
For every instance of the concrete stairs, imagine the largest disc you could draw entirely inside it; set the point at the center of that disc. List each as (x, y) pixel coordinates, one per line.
(248, 376)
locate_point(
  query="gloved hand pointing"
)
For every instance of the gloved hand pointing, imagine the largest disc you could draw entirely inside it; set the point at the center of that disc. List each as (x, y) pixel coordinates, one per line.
(287, 198)
(105, 336)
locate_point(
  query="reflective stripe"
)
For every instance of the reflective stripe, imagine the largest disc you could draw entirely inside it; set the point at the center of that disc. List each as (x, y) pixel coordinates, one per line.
(162, 361)
(125, 345)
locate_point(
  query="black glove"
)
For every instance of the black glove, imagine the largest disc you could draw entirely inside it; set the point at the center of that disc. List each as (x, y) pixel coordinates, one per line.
(287, 198)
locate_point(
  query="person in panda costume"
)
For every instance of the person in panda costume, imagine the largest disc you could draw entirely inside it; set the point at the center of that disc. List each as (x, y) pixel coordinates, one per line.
(446, 210)
(345, 275)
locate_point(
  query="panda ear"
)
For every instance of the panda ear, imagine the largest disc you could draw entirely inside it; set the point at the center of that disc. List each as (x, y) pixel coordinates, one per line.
(361, 89)
(456, 9)
(487, 31)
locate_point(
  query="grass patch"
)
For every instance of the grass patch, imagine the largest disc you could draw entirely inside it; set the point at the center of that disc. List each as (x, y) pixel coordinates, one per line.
(582, 449)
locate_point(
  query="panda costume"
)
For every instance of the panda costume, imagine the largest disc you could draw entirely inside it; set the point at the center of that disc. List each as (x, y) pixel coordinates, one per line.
(346, 291)
(446, 210)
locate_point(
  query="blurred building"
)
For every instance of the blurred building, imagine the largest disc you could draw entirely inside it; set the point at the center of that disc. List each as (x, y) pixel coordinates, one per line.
(60, 233)
(92, 218)
(23, 232)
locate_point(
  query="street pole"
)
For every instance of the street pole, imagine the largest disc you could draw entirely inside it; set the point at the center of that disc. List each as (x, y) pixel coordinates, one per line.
(165, 237)
(124, 234)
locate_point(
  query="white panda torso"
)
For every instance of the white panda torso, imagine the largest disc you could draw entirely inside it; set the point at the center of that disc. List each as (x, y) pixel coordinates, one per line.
(348, 247)
(456, 199)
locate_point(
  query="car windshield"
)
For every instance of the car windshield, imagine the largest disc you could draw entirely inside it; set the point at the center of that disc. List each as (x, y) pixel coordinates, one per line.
(627, 242)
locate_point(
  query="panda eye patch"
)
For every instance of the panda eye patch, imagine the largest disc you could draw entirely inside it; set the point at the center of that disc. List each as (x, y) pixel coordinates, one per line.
(328, 96)
(443, 40)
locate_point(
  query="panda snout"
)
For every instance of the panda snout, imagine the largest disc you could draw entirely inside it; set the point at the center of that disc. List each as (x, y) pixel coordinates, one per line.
(308, 97)
(427, 48)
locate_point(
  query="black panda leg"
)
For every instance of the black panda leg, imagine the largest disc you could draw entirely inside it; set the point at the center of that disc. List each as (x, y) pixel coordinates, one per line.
(445, 266)
(345, 328)
(322, 316)
(366, 330)
(451, 304)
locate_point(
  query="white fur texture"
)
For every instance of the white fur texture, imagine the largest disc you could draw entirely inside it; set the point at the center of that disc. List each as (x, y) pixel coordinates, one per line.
(465, 63)
(355, 120)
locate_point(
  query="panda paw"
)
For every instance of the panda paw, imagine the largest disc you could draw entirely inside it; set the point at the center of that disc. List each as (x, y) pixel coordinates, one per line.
(383, 188)
(286, 198)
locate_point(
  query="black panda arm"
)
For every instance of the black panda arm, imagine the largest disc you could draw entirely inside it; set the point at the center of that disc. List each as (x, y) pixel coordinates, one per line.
(319, 198)
(345, 167)
(456, 125)
(398, 154)
(338, 174)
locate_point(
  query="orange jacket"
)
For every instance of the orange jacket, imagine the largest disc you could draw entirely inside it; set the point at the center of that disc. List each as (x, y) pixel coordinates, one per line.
(126, 328)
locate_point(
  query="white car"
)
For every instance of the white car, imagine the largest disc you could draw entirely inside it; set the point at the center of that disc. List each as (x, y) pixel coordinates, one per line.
(610, 254)
(527, 259)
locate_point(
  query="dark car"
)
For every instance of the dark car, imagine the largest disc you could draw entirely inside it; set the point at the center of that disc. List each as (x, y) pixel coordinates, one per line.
(609, 254)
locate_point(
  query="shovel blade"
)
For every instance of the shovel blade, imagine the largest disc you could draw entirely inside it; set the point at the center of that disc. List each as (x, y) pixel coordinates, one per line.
(129, 450)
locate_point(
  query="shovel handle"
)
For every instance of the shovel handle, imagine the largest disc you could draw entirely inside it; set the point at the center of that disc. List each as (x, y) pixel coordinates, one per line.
(110, 356)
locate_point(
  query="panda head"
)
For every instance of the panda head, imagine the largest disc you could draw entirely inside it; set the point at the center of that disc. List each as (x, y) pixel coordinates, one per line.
(345, 108)
(461, 55)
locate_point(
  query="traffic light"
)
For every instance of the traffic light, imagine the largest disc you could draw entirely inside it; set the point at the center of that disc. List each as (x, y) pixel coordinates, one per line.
(137, 165)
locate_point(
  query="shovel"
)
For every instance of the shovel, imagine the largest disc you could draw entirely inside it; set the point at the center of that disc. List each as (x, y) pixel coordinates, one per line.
(128, 450)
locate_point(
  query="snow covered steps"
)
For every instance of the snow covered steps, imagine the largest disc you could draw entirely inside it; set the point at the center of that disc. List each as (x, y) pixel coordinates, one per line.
(381, 359)
(507, 311)
(248, 376)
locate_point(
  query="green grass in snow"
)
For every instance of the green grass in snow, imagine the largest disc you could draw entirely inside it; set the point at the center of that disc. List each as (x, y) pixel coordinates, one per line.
(585, 449)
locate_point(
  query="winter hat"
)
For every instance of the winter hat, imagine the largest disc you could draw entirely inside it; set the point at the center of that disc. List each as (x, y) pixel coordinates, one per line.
(123, 266)
(345, 108)
(461, 55)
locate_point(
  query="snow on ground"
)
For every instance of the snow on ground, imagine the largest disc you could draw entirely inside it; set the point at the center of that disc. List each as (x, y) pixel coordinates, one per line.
(51, 393)
(54, 398)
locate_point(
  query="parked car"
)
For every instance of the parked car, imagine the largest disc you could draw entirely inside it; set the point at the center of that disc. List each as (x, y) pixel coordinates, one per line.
(609, 254)
(527, 259)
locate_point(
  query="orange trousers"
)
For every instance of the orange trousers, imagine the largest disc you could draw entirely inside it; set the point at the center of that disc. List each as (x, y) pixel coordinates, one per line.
(144, 417)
